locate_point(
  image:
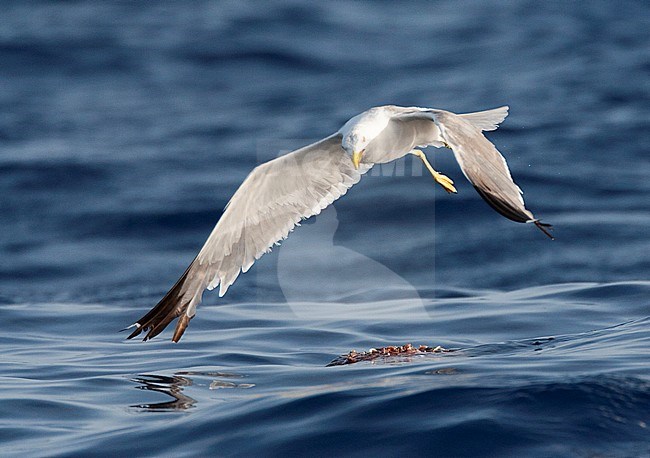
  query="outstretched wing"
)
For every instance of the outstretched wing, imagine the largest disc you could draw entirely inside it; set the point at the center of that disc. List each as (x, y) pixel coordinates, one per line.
(484, 166)
(478, 158)
(270, 202)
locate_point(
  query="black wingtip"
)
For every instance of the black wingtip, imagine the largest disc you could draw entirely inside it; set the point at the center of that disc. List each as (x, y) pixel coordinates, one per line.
(545, 228)
(170, 307)
(136, 331)
(504, 207)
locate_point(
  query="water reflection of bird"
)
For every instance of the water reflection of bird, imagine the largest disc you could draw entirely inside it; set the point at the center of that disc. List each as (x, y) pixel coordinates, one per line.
(280, 193)
(171, 386)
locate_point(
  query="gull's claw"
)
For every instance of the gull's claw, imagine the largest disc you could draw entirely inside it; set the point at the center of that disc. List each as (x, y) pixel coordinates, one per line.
(445, 182)
(441, 179)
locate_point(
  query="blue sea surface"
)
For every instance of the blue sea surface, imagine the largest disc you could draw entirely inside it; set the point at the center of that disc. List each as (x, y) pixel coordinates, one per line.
(125, 127)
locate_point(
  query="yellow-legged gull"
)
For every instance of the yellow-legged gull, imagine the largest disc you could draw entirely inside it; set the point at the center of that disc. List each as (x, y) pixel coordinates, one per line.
(280, 193)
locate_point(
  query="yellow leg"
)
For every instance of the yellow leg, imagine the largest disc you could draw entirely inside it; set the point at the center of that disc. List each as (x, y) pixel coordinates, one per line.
(441, 179)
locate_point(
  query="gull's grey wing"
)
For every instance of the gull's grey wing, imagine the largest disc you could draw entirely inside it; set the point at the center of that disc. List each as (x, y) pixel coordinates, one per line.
(478, 158)
(484, 166)
(270, 202)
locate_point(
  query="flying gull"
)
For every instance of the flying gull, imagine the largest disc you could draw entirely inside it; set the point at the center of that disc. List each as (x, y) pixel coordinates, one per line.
(280, 193)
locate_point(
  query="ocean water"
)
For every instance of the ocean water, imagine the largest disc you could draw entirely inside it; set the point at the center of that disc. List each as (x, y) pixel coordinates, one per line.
(125, 127)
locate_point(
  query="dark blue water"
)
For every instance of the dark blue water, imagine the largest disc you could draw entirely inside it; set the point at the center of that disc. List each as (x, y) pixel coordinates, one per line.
(124, 130)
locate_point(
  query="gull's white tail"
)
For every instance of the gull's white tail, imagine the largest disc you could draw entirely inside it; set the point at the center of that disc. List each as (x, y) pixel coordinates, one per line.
(488, 119)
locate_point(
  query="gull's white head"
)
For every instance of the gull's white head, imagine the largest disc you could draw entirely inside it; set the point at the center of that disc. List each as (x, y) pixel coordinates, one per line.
(355, 144)
(359, 131)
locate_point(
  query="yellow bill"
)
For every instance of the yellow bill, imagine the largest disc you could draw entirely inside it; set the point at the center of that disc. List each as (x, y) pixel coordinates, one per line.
(356, 158)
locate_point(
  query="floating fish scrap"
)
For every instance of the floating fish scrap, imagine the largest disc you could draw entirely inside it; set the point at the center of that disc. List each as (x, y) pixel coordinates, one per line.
(386, 352)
